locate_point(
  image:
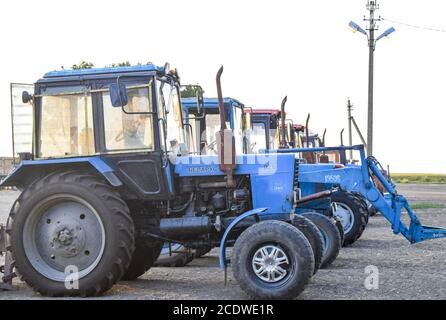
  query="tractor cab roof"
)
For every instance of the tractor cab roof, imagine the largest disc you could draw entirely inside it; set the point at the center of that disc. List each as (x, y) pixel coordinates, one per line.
(210, 103)
(99, 73)
(298, 127)
(264, 111)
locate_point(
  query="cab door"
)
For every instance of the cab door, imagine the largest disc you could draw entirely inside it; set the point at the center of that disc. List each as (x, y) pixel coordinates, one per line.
(21, 120)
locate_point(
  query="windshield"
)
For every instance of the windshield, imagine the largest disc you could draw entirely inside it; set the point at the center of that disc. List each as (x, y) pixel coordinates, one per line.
(238, 129)
(258, 137)
(274, 138)
(131, 129)
(170, 110)
(212, 126)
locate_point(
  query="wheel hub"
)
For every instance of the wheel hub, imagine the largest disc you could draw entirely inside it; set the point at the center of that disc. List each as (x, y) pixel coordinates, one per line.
(68, 240)
(345, 214)
(63, 231)
(270, 263)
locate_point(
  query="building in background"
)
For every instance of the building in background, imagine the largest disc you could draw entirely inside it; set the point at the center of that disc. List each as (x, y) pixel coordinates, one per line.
(6, 165)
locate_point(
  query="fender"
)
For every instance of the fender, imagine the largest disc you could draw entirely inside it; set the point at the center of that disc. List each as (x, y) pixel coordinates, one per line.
(30, 170)
(254, 212)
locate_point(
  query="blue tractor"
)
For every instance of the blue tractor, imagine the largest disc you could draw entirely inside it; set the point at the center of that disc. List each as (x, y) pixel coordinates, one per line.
(350, 208)
(202, 122)
(110, 179)
(202, 118)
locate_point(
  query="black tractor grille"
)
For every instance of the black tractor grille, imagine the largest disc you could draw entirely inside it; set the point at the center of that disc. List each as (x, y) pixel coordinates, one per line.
(296, 173)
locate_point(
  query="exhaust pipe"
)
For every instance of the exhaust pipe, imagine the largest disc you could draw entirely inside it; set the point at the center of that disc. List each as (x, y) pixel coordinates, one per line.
(225, 140)
(283, 144)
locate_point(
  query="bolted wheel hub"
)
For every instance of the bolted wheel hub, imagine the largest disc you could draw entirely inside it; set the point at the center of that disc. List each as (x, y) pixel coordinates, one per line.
(68, 240)
(63, 231)
(345, 214)
(270, 263)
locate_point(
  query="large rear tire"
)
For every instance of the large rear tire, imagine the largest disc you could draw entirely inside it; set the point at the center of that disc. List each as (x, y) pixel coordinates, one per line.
(330, 234)
(201, 251)
(70, 234)
(174, 255)
(143, 258)
(272, 260)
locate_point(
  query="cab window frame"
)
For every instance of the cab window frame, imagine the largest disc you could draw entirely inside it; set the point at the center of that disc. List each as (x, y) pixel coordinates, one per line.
(59, 88)
(130, 81)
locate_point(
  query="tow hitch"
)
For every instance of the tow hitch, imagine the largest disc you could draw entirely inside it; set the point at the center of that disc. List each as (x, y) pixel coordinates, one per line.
(8, 268)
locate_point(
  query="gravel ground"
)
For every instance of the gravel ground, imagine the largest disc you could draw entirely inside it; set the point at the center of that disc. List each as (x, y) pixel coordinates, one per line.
(405, 271)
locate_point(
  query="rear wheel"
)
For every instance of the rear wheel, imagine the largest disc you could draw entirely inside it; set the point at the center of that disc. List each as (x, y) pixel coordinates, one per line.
(71, 234)
(272, 260)
(143, 258)
(330, 235)
(174, 255)
(201, 251)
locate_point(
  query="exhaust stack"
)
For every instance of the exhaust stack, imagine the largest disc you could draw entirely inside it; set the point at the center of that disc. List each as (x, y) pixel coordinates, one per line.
(225, 140)
(283, 144)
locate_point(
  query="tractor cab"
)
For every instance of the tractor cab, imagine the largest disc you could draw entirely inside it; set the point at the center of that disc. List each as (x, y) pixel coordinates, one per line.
(312, 141)
(116, 121)
(202, 122)
(265, 132)
(295, 135)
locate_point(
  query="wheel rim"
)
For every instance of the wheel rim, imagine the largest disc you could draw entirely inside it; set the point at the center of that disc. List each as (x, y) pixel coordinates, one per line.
(63, 234)
(345, 214)
(271, 264)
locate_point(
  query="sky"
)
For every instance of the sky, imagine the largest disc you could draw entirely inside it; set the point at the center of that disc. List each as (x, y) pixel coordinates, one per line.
(269, 49)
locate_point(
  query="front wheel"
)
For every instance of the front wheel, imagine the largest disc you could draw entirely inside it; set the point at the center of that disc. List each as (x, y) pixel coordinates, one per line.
(330, 235)
(353, 213)
(71, 234)
(272, 260)
(314, 237)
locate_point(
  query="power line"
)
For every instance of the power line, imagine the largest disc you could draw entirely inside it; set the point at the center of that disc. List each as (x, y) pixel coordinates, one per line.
(416, 26)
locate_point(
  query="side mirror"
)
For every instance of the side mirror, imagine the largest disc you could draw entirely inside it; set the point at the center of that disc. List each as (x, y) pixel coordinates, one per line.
(169, 102)
(118, 95)
(200, 99)
(26, 97)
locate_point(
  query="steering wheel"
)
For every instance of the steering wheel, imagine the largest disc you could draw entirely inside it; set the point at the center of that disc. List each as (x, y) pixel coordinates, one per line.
(212, 145)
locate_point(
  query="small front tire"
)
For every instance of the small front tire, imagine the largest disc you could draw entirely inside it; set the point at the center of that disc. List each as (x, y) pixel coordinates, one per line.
(314, 236)
(272, 260)
(330, 234)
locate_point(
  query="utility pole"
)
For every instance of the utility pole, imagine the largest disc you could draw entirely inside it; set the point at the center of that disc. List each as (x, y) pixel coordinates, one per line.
(372, 6)
(350, 135)
(352, 121)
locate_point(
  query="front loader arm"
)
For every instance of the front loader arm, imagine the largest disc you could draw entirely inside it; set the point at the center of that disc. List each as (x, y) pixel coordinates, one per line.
(358, 178)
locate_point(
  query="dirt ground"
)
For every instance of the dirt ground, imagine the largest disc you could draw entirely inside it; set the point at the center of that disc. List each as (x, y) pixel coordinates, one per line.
(405, 271)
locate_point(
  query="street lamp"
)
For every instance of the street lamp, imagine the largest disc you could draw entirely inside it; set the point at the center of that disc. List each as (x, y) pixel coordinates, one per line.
(355, 27)
(386, 33)
(371, 6)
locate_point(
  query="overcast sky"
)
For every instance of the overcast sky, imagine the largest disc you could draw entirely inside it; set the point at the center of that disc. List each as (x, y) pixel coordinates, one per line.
(303, 49)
